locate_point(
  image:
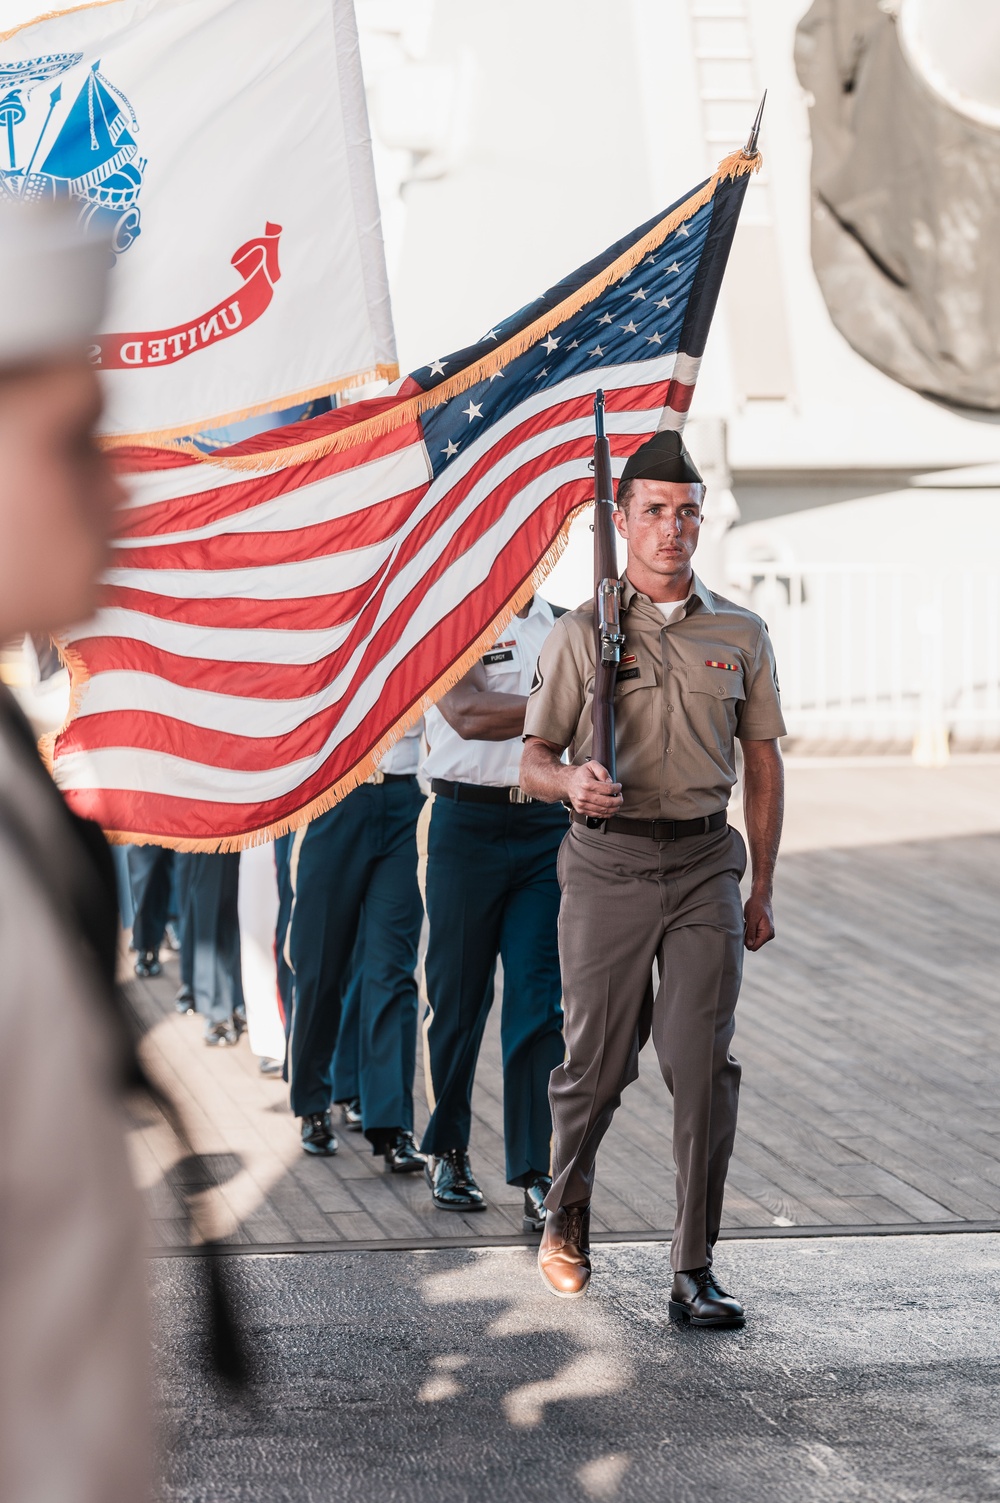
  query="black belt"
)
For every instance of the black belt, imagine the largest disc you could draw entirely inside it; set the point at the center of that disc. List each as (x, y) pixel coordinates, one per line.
(391, 777)
(660, 829)
(479, 793)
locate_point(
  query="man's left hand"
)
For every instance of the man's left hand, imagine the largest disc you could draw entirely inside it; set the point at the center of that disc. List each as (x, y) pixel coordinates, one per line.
(758, 921)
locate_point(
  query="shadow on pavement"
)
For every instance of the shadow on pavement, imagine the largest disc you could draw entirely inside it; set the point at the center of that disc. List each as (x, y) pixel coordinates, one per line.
(868, 1370)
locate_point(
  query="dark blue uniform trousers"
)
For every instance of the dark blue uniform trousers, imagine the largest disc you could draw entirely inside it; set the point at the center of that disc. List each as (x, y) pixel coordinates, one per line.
(282, 860)
(356, 866)
(377, 1044)
(208, 891)
(150, 875)
(182, 886)
(492, 890)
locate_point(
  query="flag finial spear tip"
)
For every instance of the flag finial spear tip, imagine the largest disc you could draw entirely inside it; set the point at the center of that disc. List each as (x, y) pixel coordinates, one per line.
(750, 149)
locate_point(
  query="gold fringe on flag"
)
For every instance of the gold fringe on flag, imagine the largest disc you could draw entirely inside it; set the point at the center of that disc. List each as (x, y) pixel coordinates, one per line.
(54, 15)
(405, 411)
(169, 437)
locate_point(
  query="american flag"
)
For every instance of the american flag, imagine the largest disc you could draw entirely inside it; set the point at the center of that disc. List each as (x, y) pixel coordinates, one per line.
(279, 612)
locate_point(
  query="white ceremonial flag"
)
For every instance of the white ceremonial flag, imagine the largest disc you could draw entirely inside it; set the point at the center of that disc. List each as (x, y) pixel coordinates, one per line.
(224, 147)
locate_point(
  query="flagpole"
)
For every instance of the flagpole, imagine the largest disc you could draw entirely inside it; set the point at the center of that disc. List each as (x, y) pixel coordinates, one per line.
(750, 149)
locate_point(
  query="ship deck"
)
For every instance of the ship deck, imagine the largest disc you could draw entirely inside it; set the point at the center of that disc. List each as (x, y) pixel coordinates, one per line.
(867, 1032)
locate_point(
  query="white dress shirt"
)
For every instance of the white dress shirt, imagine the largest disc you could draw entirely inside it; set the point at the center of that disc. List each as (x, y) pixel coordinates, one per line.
(403, 759)
(510, 667)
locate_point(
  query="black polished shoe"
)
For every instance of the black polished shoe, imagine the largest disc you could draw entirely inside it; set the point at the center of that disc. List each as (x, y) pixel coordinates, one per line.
(535, 1192)
(184, 1001)
(401, 1154)
(451, 1182)
(147, 964)
(221, 1035)
(350, 1114)
(700, 1299)
(318, 1136)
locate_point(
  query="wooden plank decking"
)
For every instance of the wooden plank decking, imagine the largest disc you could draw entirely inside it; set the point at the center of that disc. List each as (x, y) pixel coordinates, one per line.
(869, 1034)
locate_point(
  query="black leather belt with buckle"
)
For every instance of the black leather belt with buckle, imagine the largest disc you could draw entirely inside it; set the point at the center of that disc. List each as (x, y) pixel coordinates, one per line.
(660, 829)
(378, 777)
(478, 793)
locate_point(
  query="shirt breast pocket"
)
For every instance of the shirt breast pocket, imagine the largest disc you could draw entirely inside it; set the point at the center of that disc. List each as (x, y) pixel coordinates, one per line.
(723, 686)
(634, 703)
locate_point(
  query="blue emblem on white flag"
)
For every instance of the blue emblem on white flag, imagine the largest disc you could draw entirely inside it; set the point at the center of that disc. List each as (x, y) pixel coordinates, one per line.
(78, 145)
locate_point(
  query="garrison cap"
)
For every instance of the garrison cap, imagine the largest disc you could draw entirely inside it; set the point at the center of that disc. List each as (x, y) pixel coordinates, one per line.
(663, 457)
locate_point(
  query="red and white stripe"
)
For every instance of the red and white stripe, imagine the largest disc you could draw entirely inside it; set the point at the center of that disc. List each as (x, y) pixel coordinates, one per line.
(263, 636)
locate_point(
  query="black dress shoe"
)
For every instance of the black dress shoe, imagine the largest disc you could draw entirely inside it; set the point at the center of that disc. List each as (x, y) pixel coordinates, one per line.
(318, 1135)
(401, 1154)
(699, 1298)
(222, 1035)
(184, 1001)
(535, 1192)
(451, 1182)
(350, 1114)
(147, 964)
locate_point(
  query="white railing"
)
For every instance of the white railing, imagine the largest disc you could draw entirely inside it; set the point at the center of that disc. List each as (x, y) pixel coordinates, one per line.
(875, 654)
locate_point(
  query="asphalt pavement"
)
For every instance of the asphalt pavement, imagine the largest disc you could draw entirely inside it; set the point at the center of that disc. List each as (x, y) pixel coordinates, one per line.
(869, 1369)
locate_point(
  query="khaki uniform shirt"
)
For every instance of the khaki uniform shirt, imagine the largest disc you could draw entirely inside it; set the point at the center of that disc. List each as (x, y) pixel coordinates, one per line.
(685, 691)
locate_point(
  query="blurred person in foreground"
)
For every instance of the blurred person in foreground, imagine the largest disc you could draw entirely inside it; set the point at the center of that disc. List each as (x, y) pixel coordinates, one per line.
(74, 1411)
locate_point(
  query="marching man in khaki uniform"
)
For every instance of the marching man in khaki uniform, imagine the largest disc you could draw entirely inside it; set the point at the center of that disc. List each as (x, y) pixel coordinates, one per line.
(658, 878)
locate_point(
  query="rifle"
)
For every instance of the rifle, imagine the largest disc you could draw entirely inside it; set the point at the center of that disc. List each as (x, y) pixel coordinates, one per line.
(608, 635)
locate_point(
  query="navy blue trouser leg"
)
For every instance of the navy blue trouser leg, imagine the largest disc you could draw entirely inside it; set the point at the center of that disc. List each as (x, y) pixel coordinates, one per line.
(211, 939)
(346, 861)
(282, 859)
(347, 1059)
(387, 964)
(150, 871)
(531, 1039)
(467, 875)
(492, 890)
(123, 882)
(185, 928)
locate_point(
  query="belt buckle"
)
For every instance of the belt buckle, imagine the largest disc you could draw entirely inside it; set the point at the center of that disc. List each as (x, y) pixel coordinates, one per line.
(517, 795)
(665, 824)
(377, 777)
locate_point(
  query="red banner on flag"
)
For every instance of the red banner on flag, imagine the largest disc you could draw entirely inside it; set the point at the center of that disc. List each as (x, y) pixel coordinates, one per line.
(257, 264)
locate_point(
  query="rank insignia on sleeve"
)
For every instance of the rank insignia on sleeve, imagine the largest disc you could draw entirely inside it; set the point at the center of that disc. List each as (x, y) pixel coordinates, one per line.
(729, 667)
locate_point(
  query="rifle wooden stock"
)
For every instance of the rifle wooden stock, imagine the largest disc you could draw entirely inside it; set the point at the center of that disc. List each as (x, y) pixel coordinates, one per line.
(607, 632)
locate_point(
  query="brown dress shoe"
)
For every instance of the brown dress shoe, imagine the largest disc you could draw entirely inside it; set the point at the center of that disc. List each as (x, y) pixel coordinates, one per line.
(564, 1256)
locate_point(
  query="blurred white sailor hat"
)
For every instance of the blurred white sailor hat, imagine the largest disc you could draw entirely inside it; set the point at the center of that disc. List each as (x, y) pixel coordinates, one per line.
(53, 281)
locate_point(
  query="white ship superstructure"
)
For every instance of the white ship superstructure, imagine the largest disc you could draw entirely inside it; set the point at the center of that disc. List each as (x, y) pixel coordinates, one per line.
(513, 142)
